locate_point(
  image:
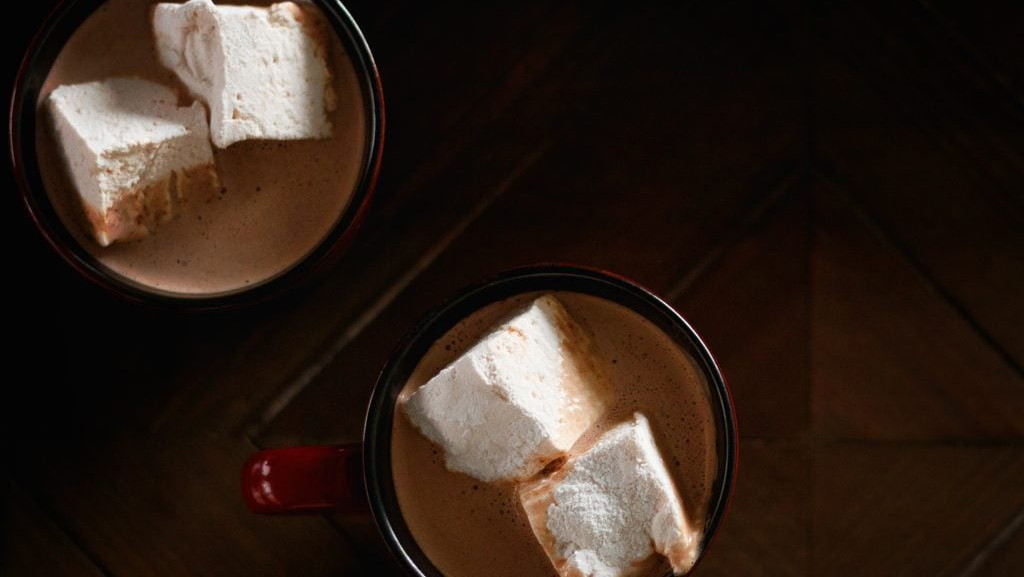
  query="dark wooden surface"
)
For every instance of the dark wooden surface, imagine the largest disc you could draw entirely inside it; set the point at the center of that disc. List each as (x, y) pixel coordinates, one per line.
(832, 192)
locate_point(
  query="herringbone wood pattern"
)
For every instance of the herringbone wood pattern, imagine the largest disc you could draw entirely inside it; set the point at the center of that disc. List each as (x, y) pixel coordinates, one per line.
(830, 191)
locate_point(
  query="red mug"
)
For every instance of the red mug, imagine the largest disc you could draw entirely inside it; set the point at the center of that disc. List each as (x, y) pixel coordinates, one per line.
(358, 477)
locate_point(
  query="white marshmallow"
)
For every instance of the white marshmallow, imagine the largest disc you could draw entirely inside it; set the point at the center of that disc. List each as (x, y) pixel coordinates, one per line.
(262, 71)
(607, 511)
(516, 400)
(131, 152)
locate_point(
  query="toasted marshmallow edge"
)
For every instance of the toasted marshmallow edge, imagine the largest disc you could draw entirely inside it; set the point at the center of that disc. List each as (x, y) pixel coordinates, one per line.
(132, 154)
(606, 512)
(262, 71)
(517, 399)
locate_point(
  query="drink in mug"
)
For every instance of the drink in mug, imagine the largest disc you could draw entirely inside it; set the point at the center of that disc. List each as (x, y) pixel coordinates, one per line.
(446, 508)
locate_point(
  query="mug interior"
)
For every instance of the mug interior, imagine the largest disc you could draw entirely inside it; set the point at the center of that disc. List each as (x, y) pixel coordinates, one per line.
(378, 430)
(46, 46)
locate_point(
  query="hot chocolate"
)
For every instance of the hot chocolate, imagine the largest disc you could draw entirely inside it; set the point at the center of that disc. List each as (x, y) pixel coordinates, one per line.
(278, 199)
(469, 527)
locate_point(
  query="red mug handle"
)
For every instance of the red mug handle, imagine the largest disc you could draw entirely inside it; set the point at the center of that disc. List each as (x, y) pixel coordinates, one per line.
(305, 480)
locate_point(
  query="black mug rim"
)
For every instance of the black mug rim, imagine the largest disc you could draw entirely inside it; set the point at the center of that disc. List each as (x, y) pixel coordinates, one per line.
(573, 278)
(57, 28)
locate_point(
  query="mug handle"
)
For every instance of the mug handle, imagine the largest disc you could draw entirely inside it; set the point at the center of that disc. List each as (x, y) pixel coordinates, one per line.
(305, 480)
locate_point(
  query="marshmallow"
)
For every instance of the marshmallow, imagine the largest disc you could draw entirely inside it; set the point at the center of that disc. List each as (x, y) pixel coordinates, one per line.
(131, 152)
(607, 511)
(517, 399)
(262, 71)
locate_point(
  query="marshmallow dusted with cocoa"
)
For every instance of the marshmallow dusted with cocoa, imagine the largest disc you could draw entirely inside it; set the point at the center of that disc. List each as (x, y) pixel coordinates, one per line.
(608, 511)
(262, 71)
(517, 399)
(132, 153)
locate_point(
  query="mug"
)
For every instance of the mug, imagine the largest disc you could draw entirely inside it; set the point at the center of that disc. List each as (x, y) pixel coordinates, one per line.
(39, 58)
(358, 477)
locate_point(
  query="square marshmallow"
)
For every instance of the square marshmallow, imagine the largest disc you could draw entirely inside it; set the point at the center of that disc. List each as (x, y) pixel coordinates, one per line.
(262, 71)
(608, 510)
(131, 152)
(517, 399)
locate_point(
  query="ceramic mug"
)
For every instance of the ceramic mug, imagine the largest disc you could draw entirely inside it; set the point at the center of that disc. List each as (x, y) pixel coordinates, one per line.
(358, 477)
(39, 58)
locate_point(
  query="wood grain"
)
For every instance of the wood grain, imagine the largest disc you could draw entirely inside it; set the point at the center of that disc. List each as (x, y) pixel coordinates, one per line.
(890, 358)
(989, 35)
(646, 215)
(768, 528)
(933, 150)
(653, 220)
(916, 510)
(752, 307)
(1004, 555)
(30, 543)
(830, 191)
(175, 511)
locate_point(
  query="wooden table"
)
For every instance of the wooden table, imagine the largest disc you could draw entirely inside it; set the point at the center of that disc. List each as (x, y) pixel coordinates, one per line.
(831, 192)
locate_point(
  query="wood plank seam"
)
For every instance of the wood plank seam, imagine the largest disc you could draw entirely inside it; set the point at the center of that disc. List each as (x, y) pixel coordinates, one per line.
(812, 235)
(997, 542)
(317, 366)
(953, 148)
(841, 189)
(971, 53)
(294, 386)
(807, 63)
(58, 522)
(778, 193)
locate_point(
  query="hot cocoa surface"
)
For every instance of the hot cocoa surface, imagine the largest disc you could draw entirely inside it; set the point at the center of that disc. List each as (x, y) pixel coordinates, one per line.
(279, 199)
(468, 527)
